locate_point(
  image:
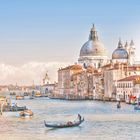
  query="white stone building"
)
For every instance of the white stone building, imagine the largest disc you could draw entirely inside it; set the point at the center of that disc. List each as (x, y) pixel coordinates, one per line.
(128, 87)
(110, 80)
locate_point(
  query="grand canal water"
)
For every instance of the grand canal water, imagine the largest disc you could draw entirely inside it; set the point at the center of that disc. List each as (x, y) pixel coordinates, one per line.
(103, 121)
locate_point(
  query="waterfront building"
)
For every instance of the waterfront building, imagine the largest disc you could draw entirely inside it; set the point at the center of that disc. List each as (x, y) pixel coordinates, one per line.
(47, 89)
(110, 79)
(75, 82)
(82, 84)
(93, 52)
(98, 86)
(128, 88)
(79, 86)
(55, 93)
(64, 79)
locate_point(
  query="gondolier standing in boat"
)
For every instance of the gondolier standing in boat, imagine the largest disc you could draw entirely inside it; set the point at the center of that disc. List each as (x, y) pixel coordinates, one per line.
(79, 116)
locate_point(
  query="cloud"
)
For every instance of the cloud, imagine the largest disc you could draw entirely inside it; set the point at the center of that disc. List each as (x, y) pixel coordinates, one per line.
(30, 72)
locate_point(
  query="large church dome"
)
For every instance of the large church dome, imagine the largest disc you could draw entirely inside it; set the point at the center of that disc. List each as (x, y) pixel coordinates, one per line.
(120, 52)
(93, 52)
(93, 47)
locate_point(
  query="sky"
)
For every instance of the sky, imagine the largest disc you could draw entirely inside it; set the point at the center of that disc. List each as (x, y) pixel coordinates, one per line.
(39, 36)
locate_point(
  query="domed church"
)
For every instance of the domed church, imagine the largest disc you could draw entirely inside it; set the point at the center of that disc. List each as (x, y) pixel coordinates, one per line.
(120, 54)
(124, 54)
(93, 52)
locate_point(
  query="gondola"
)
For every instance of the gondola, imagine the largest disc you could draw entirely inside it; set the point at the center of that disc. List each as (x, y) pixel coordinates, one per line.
(64, 125)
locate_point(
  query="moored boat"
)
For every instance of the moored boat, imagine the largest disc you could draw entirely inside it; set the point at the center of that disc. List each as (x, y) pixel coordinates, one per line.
(18, 97)
(17, 108)
(137, 107)
(66, 124)
(37, 94)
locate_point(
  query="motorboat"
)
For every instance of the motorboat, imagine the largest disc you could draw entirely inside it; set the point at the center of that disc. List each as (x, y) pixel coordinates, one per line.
(26, 113)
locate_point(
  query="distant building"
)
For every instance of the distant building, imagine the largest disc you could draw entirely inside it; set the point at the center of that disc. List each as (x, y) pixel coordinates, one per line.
(46, 79)
(3, 88)
(47, 89)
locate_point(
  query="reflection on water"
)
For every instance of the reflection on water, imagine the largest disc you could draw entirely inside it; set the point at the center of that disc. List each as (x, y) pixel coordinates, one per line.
(103, 121)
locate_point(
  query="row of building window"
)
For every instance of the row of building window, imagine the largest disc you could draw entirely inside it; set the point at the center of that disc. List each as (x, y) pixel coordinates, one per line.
(124, 85)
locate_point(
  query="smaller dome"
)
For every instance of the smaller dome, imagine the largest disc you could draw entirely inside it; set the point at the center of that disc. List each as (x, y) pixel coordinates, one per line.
(120, 52)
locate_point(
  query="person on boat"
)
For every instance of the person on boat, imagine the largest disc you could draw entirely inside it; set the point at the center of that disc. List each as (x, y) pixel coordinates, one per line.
(118, 105)
(79, 117)
(69, 123)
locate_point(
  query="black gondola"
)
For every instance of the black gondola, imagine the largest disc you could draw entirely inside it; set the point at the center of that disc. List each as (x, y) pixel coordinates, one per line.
(64, 125)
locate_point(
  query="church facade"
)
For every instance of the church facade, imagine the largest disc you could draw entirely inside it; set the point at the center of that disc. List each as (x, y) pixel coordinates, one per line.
(93, 52)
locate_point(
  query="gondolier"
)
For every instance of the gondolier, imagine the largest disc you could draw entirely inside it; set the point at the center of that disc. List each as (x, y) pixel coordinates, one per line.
(79, 116)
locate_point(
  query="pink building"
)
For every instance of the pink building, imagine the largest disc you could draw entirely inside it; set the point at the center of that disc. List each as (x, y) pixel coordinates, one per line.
(64, 80)
(74, 82)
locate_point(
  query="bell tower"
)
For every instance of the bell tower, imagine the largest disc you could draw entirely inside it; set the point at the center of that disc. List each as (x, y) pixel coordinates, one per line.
(132, 53)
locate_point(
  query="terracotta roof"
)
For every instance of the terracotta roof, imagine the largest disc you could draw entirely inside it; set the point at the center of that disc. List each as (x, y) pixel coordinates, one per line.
(107, 65)
(130, 78)
(48, 85)
(113, 69)
(78, 73)
(72, 67)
